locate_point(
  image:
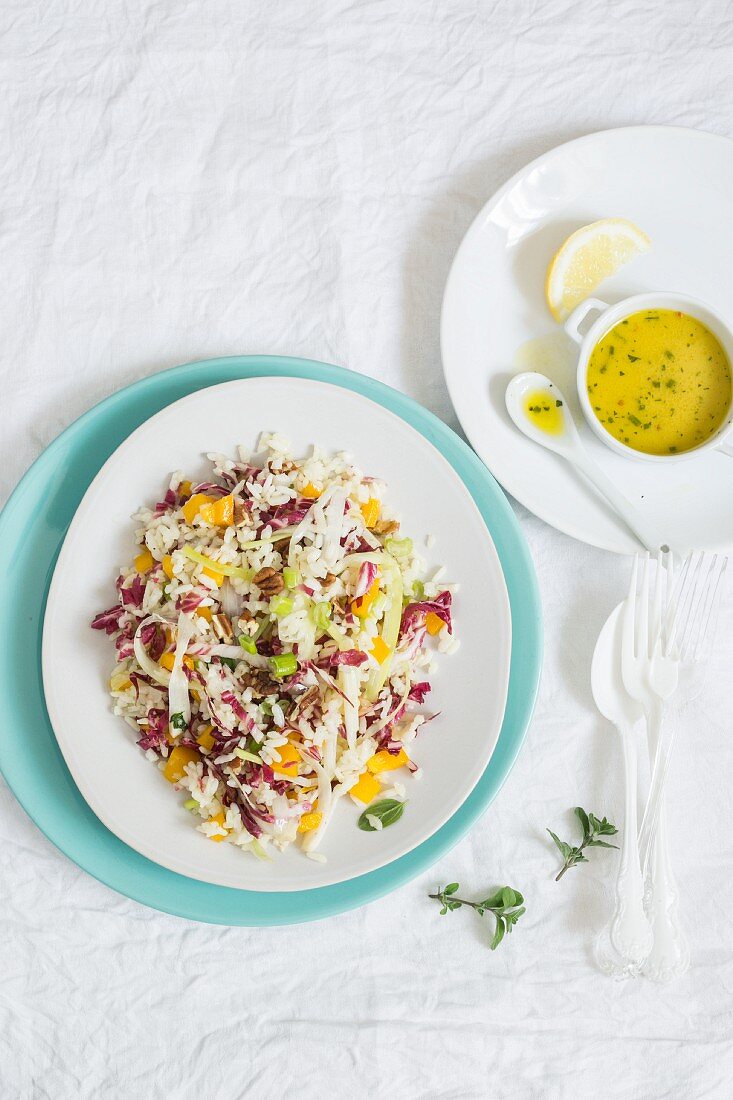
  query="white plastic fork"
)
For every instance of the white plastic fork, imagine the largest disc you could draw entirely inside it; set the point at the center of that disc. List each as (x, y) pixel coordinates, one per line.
(643, 617)
(659, 633)
(684, 637)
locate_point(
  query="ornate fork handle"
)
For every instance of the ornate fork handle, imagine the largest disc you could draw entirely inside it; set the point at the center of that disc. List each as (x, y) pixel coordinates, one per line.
(630, 931)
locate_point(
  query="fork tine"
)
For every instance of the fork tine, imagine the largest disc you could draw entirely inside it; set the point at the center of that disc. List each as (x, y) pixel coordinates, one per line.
(669, 588)
(704, 619)
(642, 617)
(689, 599)
(674, 607)
(701, 595)
(655, 624)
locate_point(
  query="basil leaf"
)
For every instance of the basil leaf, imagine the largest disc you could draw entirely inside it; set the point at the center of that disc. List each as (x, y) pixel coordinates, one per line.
(387, 811)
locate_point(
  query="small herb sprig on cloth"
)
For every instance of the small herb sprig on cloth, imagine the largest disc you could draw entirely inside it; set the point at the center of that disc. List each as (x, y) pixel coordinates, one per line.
(505, 904)
(593, 829)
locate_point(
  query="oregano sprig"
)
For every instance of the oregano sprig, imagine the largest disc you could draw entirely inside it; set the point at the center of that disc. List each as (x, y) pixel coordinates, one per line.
(505, 905)
(593, 830)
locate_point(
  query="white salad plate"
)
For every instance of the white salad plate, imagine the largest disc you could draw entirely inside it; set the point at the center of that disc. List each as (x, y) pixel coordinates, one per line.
(676, 185)
(126, 791)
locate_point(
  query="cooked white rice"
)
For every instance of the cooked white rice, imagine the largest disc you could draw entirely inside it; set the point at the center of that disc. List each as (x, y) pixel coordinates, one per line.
(274, 638)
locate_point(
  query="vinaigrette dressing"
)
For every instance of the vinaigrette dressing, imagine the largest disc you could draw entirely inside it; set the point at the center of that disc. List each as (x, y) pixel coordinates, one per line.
(543, 411)
(660, 382)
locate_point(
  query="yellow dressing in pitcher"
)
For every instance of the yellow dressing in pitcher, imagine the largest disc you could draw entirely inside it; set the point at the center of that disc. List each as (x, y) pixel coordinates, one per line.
(544, 411)
(660, 382)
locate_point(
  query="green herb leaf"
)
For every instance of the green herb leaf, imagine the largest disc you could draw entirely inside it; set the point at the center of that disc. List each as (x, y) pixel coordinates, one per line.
(229, 662)
(504, 904)
(593, 829)
(178, 721)
(582, 817)
(387, 811)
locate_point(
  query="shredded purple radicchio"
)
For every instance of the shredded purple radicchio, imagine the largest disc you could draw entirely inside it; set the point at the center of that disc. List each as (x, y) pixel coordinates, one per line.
(131, 595)
(283, 516)
(367, 576)
(350, 657)
(231, 700)
(167, 504)
(153, 638)
(154, 736)
(191, 600)
(209, 488)
(414, 614)
(419, 691)
(108, 621)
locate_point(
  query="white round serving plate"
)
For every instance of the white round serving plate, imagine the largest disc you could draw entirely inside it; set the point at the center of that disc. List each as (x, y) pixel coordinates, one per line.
(126, 791)
(677, 185)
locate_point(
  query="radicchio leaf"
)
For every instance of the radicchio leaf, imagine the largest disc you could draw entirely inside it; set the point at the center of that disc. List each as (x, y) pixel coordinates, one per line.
(108, 621)
(414, 614)
(418, 692)
(367, 576)
(350, 657)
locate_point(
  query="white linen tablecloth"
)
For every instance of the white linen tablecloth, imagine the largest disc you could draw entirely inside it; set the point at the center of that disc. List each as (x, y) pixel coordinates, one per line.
(190, 179)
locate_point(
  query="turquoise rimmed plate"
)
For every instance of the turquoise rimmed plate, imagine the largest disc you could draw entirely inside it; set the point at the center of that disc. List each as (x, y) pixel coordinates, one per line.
(32, 528)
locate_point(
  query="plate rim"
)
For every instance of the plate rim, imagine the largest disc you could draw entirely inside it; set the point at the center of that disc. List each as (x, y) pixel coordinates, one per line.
(566, 527)
(140, 879)
(69, 748)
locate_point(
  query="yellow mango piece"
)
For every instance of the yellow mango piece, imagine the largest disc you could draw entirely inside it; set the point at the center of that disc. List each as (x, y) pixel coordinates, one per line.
(361, 606)
(384, 761)
(289, 760)
(204, 613)
(144, 561)
(217, 578)
(220, 513)
(434, 623)
(380, 650)
(310, 492)
(174, 770)
(119, 681)
(370, 510)
(367, 787)
(205, 739)
(310, 821)
(167, 661)
(193, 504)
(168, 566)
(184, 490)
(219, 819)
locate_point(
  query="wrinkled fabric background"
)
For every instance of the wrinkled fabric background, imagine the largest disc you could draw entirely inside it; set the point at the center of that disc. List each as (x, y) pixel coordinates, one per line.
(187, 179)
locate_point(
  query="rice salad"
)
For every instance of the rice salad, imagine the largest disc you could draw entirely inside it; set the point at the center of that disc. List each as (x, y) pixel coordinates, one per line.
(274, 637)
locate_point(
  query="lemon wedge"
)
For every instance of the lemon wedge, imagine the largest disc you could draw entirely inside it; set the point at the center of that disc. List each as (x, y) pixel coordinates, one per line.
(586, 258)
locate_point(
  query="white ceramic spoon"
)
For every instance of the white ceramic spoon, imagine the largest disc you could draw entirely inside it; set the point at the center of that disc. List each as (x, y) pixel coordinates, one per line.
(568, 444)
(629, 930)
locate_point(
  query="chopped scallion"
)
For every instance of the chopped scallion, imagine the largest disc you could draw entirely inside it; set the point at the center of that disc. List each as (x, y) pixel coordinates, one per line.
(291, 577)
(281, 605)
(284, 664)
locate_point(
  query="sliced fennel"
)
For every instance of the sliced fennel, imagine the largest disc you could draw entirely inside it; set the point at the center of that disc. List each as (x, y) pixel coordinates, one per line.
(390, 631)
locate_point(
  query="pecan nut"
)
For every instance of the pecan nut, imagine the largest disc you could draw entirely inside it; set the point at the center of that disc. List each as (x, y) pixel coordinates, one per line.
(269, 581)
(328, 580)
(222, 626)
(241, 514)
(386, 526)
